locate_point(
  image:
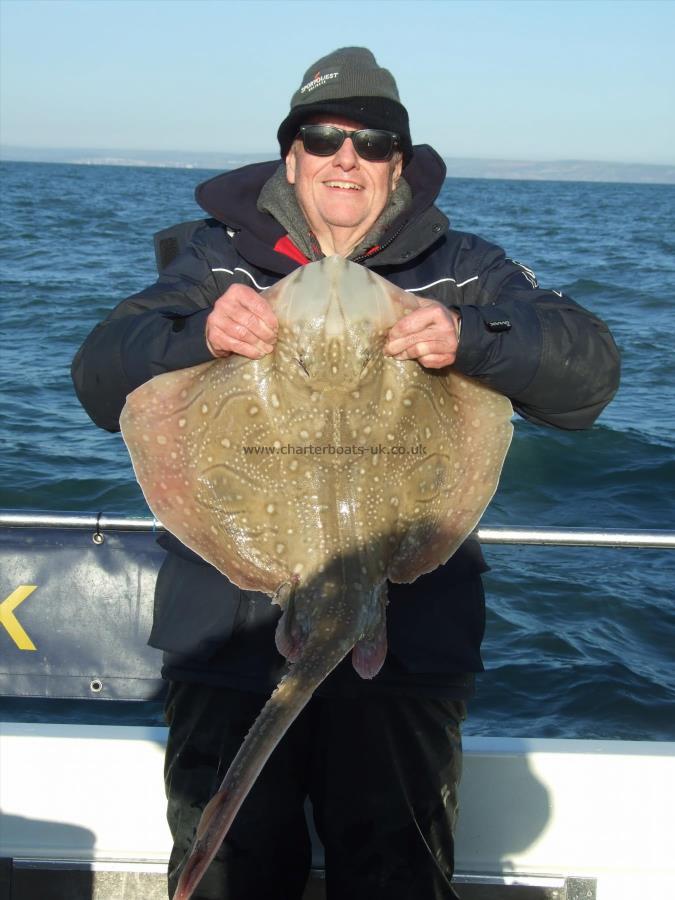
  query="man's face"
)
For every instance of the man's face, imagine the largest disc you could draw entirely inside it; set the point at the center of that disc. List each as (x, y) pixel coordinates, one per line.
(341, 191)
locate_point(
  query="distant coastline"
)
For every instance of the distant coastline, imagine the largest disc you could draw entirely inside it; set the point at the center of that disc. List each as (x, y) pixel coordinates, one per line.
(523, 170)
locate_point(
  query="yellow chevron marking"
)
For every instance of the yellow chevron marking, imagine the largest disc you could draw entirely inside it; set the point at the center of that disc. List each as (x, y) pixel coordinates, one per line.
(10, 621)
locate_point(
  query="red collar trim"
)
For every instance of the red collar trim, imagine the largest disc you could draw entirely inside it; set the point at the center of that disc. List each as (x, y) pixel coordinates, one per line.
(286, 246)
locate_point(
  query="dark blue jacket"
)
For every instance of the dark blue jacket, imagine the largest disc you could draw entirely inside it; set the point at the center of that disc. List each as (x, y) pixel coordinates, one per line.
(556, 362)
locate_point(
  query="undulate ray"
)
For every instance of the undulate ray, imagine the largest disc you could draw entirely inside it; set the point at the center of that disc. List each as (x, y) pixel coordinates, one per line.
(314, 475)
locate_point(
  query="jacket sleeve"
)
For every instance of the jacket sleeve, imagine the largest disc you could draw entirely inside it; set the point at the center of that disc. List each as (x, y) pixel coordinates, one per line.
(160, 329)
(556, 361)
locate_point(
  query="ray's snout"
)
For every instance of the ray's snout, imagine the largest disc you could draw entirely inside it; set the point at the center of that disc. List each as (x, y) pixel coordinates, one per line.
(334, 317)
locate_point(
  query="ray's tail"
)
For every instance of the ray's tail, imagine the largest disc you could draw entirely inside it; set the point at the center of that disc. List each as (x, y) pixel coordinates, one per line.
(283, 707)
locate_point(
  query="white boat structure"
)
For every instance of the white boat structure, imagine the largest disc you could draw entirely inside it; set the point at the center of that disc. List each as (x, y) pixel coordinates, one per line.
(83, 809)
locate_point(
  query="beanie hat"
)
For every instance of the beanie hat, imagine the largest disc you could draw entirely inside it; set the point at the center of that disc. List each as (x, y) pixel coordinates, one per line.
(349, 83)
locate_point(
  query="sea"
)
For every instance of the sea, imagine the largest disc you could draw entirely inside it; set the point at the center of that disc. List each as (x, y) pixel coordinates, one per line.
(580, 642)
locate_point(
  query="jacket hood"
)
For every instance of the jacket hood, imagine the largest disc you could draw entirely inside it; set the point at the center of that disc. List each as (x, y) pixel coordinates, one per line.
(231, 198)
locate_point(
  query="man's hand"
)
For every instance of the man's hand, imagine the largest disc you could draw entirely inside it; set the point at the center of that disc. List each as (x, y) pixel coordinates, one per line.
(241, 321)
(429, 334)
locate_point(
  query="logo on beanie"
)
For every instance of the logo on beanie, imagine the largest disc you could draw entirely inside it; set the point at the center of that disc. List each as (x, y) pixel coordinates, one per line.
(317, 81)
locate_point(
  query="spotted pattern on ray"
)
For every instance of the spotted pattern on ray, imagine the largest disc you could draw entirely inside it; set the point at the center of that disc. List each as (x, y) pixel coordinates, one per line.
(217, 448)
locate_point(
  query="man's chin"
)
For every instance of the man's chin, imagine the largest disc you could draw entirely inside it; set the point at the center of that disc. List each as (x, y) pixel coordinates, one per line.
(341, 218)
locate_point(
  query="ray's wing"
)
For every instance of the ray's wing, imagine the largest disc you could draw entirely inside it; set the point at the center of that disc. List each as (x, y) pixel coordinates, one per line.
(186, 446)
(463, 431)
(224, 455)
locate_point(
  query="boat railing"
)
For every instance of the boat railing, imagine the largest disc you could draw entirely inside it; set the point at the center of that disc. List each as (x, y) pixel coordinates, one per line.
(100, 523)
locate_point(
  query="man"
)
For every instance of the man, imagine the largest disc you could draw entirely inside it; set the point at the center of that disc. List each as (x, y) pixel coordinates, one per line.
(380, 760)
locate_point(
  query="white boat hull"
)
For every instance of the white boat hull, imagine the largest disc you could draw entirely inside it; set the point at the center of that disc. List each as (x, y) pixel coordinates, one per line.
(595, 813)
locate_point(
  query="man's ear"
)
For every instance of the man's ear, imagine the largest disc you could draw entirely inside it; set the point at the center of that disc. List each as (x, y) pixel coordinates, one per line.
(291, 162)
(396, 170)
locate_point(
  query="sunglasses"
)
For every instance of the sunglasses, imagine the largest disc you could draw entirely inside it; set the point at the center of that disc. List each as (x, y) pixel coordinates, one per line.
(370, 143)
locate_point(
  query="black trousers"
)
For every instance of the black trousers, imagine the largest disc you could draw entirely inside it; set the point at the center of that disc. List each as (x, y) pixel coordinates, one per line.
(381, 772)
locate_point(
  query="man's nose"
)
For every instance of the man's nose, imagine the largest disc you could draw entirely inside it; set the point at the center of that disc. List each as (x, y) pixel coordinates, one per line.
(346, 157)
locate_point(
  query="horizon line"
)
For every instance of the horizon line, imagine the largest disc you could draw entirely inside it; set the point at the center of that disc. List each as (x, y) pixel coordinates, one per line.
(562, 171)
(273, 154)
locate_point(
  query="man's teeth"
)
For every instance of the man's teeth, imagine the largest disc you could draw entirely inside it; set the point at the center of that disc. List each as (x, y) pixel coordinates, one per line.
(344, 184)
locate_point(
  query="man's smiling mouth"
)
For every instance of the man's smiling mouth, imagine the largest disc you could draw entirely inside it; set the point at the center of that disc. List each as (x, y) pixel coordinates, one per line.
(348, 185)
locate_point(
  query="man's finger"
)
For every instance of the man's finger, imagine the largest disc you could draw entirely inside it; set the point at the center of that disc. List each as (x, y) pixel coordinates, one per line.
(442, 343)
(260, 307)
(241, 300)
(426, 348)
(436, 360)
(246, 326)
(221, 343)
(241, 317)
(418, 320)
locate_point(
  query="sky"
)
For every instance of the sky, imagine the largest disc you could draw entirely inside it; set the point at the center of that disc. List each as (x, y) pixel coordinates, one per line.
(505, 79)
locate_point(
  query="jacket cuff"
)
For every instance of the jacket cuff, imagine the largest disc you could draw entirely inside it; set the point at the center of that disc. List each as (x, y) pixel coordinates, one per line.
(502, 352)
(180, 344)
(190, 347)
